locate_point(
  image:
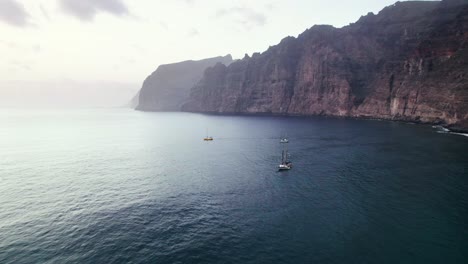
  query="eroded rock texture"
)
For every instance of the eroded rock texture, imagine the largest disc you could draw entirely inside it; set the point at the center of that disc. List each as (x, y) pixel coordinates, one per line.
(167, 88)
(409, 62)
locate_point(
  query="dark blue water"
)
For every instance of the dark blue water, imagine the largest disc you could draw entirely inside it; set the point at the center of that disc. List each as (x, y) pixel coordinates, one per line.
(116, 186)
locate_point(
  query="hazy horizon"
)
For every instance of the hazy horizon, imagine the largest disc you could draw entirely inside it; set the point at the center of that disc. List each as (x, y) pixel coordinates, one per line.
(65, 94)
(82, 44)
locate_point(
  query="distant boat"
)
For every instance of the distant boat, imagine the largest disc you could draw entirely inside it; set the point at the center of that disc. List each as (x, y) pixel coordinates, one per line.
(284, 139)
(285, 164)
(208, 138)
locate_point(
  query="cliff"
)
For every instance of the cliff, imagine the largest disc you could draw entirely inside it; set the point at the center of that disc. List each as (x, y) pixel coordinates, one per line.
(167, 88)
(409, 62)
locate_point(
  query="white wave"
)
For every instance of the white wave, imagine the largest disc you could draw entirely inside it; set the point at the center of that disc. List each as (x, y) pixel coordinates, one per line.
(441, 128)
(461, 134)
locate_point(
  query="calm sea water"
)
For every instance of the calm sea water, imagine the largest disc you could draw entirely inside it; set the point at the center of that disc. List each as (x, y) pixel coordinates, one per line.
(115, 186)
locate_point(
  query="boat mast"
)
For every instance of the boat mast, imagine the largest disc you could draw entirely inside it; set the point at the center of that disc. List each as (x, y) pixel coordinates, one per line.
(285, 151)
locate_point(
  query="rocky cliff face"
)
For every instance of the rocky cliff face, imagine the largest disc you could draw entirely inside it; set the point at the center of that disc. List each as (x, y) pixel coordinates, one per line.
(169, 86)
(409, 62)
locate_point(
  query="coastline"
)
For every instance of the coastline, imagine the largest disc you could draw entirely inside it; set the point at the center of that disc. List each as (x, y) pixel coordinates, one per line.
(452, 129)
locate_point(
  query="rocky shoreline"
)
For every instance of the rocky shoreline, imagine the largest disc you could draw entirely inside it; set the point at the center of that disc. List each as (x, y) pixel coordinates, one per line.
(445, 127)
(407, 63)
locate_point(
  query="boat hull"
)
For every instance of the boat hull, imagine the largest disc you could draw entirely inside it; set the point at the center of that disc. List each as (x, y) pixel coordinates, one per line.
(284, 167)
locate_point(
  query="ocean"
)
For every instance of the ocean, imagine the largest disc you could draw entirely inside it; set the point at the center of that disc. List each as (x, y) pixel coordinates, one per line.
(121, 186)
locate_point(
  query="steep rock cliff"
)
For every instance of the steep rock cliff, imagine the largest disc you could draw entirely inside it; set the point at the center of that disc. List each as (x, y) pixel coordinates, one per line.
(167, 88)
(409, 62)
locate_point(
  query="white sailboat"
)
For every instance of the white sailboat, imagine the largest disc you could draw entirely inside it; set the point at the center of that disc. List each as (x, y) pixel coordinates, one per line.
(285, 164)
(208, 138)
(284, 139)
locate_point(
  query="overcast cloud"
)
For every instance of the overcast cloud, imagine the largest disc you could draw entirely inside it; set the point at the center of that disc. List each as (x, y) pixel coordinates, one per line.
(87, 9)
(13, 13)
(248, 17)
(44, 40)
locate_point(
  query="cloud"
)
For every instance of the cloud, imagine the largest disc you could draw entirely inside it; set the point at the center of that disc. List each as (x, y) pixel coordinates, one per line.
(193, 32)
(87, 9)
(44, 12)
(13, 13)
(246, 16)
(164, 25)
(20, 65)
(35, 48)
(126, 60)
(10, 44)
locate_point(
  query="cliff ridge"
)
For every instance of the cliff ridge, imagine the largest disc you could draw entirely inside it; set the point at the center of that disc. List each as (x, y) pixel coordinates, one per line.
(408, 62)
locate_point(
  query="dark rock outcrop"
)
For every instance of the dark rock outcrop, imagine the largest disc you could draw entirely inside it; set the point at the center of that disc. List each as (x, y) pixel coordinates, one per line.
(167, 88)
(409, 62)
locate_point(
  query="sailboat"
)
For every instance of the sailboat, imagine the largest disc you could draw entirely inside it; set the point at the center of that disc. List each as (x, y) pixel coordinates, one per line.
(208, 138)
(285, 163)
(284, 140)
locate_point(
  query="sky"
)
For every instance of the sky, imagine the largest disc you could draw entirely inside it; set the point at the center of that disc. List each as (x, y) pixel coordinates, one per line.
(101, 43)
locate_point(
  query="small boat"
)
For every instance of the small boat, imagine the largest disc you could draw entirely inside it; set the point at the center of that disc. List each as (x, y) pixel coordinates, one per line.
(284, 139)
(283, 167)
(285, 163)
(207, 138)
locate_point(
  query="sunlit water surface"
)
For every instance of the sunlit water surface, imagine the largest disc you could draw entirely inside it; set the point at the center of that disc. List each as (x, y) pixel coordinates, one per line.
(115, 186)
